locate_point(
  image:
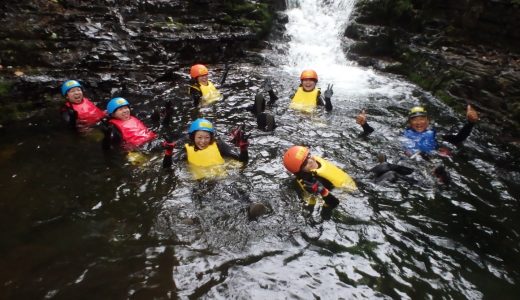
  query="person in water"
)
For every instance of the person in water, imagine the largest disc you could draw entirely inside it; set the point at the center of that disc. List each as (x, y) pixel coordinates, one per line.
(78, 111)
(126, 131)
(419, 140)
(307, 97)
(204, 150)
(202, 90)
(317, 176)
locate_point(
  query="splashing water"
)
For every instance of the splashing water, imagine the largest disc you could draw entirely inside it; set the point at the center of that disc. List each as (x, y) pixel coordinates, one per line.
(316, 30)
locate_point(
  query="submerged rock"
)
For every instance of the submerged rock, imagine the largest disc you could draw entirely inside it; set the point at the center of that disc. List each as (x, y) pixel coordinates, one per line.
(256, 210)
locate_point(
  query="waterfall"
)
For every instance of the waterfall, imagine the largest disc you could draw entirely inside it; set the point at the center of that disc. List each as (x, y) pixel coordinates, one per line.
(316, 33)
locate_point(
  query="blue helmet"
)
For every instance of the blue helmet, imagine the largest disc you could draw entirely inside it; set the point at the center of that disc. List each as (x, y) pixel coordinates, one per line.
(67, 85)
(201, 124)
(116, 103)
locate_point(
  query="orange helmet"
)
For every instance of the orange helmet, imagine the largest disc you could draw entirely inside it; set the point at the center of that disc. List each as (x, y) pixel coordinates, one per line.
(309, 74)
(294, 158)
(198, 70)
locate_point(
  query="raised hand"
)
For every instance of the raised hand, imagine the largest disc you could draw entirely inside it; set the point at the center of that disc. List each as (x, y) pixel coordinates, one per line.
(361, 119)
(328, 92)
(239, 137)
(471, 114)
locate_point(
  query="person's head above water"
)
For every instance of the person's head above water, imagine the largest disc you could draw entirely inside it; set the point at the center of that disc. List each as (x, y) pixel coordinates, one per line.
(418, 119)
(119, 108)
(298, 159)
(202, 133)
(308, 78)
(72, 91)
(199, 73)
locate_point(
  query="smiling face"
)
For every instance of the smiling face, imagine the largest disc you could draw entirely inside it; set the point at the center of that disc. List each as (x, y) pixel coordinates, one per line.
(419, 123)
(203, 79)
(309, 164)
(202, 139)
(308, 84)
(75, 95)
(122, 113)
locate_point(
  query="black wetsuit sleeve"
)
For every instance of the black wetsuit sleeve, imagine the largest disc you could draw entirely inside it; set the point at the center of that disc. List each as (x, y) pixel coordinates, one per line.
(460, 137)
(367, 129)
(70, 116)
(322, 101)
(112, 138)
(272, 97)
(307, 180)
(226, 151)
(195, 95)
(180, 155)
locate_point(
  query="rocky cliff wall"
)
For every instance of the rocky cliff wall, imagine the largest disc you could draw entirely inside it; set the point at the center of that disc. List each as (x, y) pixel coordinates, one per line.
(117, 46)
(460, 50)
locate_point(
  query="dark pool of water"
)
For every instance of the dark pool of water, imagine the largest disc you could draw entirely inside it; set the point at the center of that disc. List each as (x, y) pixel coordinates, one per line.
(79, 223)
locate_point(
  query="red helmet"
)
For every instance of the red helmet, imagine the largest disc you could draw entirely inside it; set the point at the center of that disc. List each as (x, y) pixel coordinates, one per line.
(198, 70)
(309, 74)
(294, 158)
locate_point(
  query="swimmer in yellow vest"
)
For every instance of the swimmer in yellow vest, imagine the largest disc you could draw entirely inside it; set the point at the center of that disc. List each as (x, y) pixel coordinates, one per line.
(205, 153)
(317, 176)
(202, 91)
(307, 97)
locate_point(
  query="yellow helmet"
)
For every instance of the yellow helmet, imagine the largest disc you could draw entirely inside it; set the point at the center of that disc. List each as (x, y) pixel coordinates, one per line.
(417, 111)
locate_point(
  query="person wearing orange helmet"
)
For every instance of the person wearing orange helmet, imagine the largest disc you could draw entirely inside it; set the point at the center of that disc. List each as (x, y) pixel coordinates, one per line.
(307, 97)
(202, 90)
(317, 176)
(420, 140)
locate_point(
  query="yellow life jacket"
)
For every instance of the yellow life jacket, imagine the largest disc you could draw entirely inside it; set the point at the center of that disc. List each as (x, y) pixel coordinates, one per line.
(210, 93)
(207, 163)
(305, 101)
(335, 175)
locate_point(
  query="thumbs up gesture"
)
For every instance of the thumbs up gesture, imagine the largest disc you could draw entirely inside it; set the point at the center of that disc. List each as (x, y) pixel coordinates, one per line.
(361, 119)
(471, 114)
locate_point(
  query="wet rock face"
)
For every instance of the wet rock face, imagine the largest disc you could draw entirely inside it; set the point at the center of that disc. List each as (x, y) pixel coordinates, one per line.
(105, 42)
(459, 50)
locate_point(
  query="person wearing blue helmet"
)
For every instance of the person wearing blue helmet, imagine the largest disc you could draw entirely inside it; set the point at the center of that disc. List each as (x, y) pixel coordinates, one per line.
(203, 149)
(78, 111)
(127, 131)
(419, 140)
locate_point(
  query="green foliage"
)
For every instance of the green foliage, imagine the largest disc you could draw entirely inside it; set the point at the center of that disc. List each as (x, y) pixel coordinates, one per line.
(248, 14)
(402, 7)
(5, 87)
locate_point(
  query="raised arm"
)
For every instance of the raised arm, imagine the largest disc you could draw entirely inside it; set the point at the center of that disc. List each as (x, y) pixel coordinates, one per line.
(361, 119)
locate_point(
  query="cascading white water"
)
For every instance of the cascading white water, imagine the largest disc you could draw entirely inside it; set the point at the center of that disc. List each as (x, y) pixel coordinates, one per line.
(316, 29)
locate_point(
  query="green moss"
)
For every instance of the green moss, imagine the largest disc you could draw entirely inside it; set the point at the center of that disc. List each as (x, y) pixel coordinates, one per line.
(420, 80)
(446, 98)
(247, 14)
(5, 87)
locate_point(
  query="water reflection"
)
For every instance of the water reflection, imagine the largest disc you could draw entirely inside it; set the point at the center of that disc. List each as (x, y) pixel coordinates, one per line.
(76, 222)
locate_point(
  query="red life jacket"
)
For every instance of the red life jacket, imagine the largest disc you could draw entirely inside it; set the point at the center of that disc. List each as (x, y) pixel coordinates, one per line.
(133, 132)
(88, 113)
